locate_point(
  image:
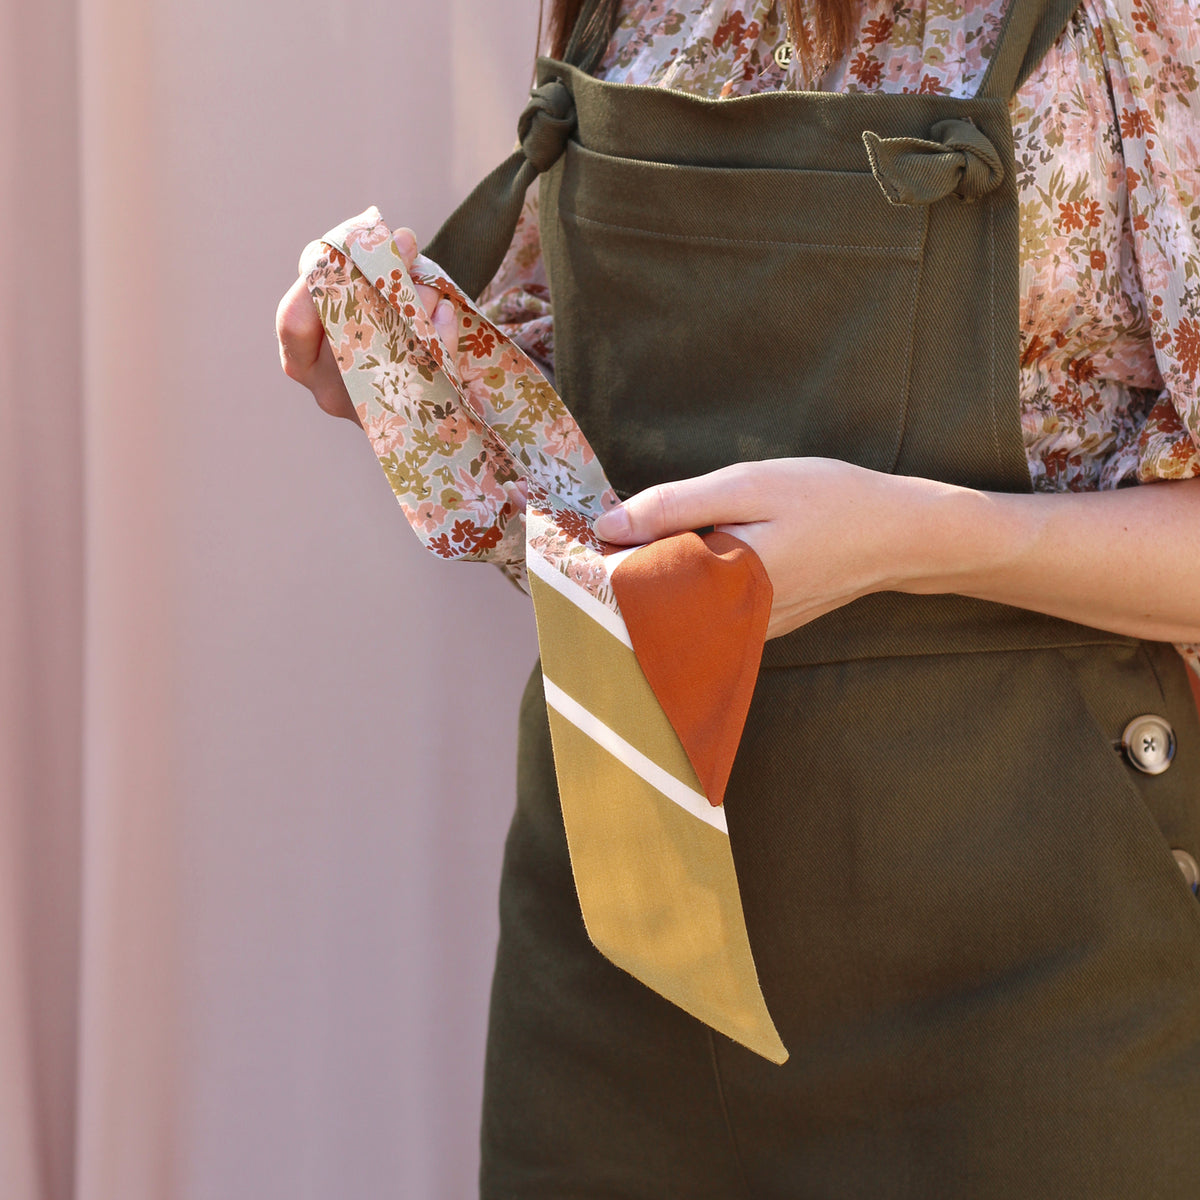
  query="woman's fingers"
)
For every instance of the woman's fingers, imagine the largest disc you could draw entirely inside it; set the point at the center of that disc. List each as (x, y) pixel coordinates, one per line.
(445, 321)
(406, 245)
(441, 311)
(298, 328)
(306, 355)
(825, 531)
(730, 496)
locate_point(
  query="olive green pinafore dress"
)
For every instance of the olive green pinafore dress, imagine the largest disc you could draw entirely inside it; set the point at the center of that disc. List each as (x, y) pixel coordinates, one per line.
(968, 921)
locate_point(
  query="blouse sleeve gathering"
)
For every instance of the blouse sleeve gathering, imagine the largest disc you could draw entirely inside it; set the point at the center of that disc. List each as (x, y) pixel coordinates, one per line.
(1153, 60)
(1153, 55)
(517, 300)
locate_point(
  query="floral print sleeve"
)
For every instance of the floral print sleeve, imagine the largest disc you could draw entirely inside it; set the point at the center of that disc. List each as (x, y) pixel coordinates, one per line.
(517, 301)
(1153, 53)
(1151, 57)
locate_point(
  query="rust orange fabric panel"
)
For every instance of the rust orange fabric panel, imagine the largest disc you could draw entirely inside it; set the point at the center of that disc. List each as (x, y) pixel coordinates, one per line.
(696, 608)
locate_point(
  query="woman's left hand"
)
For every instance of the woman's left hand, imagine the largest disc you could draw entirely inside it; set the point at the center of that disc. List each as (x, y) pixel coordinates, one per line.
(826, 531)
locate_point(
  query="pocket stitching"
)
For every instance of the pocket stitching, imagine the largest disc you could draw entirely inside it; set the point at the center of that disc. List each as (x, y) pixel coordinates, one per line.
(909, 250)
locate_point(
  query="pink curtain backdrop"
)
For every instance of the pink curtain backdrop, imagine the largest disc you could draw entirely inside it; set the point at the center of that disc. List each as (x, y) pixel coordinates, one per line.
(256, 749)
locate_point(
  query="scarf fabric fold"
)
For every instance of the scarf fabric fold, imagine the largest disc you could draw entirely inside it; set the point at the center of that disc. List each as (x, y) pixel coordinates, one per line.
(649, 655)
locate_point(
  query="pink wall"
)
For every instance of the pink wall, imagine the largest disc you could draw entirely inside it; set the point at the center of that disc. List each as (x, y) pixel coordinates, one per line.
(256, 750)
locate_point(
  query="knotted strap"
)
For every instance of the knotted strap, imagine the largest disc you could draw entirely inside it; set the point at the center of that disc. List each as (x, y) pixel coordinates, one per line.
(959, 159)
(646, 700)
(472, 243)
(546, 123)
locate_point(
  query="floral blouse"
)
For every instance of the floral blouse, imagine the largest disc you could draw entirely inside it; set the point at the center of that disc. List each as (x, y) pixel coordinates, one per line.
(1107, 133)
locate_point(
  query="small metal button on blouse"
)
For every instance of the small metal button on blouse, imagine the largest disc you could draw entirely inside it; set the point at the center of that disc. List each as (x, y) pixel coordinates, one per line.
(1189, 867)
(1149, 744)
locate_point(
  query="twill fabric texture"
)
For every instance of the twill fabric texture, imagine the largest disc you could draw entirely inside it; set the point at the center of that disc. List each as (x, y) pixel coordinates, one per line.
(962, 902)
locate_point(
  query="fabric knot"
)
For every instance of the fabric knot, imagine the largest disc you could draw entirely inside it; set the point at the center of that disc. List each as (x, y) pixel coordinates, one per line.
(912, 170)
(546, 123)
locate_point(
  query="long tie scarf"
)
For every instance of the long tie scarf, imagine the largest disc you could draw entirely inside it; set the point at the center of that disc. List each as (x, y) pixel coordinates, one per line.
(649, 655)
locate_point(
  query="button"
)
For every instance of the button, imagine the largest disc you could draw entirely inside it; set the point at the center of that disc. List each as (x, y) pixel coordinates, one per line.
(1149, 744)
(784, 53)
(1189, 867)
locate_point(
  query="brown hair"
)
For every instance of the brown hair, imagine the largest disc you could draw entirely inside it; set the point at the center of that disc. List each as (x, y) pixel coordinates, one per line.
(824, 33)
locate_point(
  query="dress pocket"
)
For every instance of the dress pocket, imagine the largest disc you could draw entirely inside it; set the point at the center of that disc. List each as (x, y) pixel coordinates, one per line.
(961, 824)
(709, 315)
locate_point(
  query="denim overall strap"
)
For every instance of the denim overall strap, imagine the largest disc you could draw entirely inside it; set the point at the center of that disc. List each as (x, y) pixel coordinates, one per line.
(1028, 31)
(472, 242)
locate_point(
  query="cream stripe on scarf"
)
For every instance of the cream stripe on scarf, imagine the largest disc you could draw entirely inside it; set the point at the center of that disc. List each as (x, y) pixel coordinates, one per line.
(599, 672)
(553, 577)
(657, 891)
(691, 801)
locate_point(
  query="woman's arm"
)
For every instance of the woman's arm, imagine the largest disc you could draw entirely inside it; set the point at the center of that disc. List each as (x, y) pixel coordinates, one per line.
(827, 532)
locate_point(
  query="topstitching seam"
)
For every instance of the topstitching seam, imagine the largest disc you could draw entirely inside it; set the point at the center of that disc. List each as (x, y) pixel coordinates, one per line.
(905, 392)
(737, 1153)
(992, 335)
(923, 652)
(913, 250)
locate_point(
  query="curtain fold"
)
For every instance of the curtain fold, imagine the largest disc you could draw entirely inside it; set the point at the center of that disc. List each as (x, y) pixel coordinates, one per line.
(41, 599)
(256, 753)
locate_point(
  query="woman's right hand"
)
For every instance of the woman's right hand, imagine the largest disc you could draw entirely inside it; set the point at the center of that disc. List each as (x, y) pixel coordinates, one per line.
(306, 355)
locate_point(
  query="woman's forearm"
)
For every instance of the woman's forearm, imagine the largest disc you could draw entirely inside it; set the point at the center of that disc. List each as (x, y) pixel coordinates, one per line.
(1125, 560)
(828, 532)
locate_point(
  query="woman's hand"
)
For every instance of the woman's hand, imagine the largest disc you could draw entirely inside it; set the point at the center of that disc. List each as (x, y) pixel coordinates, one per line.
(828, 532)
(306, 355)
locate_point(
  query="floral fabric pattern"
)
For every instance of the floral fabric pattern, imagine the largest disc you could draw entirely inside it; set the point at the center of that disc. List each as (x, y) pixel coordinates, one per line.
(1107, 134)
(466, 440)
(563, 539)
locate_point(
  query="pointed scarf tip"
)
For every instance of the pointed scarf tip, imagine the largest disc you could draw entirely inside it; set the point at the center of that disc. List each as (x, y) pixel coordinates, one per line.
(697, 610)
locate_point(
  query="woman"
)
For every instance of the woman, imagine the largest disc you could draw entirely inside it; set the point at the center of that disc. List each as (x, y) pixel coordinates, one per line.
(914, 368)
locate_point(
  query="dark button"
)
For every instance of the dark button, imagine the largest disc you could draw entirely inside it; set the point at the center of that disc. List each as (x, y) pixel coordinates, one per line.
(1149, 744)
(1189, 867)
